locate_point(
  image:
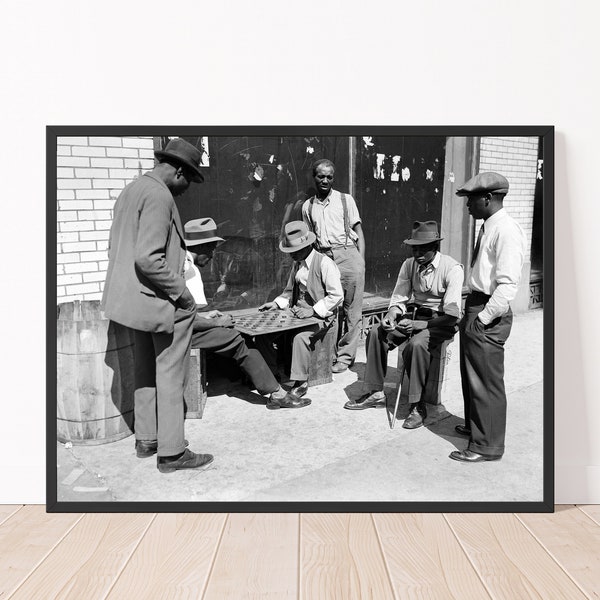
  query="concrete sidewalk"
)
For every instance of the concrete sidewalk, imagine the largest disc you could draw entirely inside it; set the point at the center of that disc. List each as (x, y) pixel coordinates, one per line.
(328, 454)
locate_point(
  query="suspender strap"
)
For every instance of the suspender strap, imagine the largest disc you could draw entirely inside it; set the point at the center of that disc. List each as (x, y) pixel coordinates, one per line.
(346, 220)
(346, 224)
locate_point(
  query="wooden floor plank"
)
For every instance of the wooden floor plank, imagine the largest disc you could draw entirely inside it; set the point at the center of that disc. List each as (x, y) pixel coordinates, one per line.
(257, 558)
(341, 558)
(7, 510)
(591, 510)
(509, 560)
(87, 561)
(25, 540)
(173, 559)
(573, 540)
(425, 560)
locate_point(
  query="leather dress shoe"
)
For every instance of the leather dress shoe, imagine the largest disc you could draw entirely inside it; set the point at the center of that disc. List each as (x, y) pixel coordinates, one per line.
(300, 390)
(416, 418)
(146, 449)
(471, 457)
(187, 460)
(364, 402)
(339, 367)
(463, 430)
(288, 401)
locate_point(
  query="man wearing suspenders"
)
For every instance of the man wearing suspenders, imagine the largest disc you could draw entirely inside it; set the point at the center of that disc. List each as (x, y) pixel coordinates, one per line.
(334, 218)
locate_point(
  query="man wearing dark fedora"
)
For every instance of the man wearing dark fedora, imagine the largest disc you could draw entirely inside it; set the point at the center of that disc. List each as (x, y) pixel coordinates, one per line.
(496, 267)
(434, 280)
(314, 289)
(145, 290)
(213, 330)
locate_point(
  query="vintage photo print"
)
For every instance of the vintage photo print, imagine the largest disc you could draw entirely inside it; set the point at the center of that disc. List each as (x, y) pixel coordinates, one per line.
(296, 318)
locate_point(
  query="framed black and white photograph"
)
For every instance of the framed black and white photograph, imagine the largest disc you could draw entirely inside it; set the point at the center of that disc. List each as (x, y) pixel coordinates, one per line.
(308, 319)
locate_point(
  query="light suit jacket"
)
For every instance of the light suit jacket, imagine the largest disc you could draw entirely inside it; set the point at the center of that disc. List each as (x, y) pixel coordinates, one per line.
(146, 257)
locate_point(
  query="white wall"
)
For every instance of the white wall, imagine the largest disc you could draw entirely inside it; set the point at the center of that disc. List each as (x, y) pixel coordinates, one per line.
(464, 62)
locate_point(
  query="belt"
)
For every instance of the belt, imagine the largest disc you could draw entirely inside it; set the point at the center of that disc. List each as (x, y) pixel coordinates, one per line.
(350, 244)
(479, 294)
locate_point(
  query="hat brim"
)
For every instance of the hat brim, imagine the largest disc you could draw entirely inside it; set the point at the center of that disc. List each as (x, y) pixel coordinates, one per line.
(198, 178)
(462, 193)
(411, 242)
(309, 242)
(192, 243)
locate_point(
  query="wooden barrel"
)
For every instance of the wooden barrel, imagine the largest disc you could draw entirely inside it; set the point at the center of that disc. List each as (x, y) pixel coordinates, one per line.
(95, 375)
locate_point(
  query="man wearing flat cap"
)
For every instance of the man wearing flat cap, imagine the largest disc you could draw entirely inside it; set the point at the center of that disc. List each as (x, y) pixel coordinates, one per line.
(314, 289)
(434, 281)
(214, 331)
(145, 290)
(495, 273)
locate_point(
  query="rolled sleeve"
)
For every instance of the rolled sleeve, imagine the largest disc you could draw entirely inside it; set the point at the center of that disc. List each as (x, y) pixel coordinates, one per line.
(510, 249)
(453, 294)
(353, 214)
(282, 301)
(403, 289)
(333, 288)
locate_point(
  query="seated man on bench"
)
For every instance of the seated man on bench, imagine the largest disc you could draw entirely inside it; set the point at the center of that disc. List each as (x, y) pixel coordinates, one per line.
(434, 282)
(213, 330)
(314, 289)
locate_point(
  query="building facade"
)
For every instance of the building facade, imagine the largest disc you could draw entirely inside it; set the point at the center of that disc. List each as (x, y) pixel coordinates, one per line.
(254, 185)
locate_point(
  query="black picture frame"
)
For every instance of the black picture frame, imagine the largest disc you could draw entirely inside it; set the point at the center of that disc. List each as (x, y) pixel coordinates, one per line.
(546, 135)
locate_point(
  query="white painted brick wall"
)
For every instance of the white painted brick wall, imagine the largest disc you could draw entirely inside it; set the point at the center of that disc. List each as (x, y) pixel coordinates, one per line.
(516, 159)
(91, 172)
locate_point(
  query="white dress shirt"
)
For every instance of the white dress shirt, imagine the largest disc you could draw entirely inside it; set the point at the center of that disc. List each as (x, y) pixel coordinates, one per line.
(497, 269)
(429, 282)
(331, 279)
(193, 280)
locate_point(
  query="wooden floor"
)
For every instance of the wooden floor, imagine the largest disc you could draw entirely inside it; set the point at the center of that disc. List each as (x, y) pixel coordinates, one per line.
(277, 556)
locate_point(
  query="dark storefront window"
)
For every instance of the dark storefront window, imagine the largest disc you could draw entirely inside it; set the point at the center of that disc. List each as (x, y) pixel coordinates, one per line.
(398, 180)
(253, 187)
(255, 184)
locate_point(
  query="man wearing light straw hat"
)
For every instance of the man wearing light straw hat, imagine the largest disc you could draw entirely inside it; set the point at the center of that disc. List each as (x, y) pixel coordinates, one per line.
(213, 330)
(314, 289)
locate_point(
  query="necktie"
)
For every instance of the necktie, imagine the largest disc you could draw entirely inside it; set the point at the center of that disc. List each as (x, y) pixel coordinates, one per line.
(477, 246)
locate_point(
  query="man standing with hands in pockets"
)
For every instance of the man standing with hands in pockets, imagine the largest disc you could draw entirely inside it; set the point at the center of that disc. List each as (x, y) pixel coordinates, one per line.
(495, 273)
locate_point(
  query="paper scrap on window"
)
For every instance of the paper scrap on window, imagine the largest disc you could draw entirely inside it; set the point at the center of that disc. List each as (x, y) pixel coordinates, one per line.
(395, 168)
(379, 171)
(368, 141)
(429, 175)
(405, 174)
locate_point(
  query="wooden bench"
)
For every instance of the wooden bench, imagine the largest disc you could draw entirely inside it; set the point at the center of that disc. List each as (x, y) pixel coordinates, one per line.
(374, 308)
(195, 392)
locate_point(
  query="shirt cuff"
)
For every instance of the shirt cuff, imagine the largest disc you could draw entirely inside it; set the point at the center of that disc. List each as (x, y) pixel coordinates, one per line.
(320, 310)
(281, 302)
(400, 307)
(484, 317)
